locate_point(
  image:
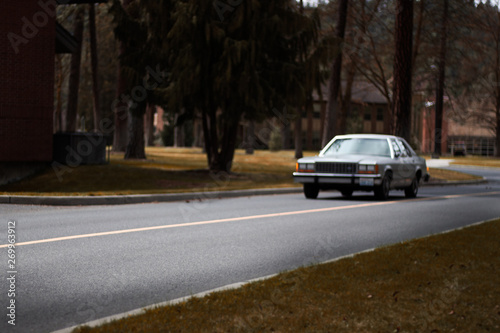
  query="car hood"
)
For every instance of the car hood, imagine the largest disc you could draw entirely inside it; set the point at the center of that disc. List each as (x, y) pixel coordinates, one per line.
(365, 159)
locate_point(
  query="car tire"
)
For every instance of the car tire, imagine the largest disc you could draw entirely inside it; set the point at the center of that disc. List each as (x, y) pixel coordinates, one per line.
(382, 191)
(346, 193)
(412, 190)
(311, 191)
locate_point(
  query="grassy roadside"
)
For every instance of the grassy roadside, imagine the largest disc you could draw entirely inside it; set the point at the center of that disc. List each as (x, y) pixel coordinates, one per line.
(171, 170)
(450, 175)
(477, 161)
(443, 283)
(166, 170)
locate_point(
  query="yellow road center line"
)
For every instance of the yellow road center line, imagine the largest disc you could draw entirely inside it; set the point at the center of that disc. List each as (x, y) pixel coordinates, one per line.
(244, 218)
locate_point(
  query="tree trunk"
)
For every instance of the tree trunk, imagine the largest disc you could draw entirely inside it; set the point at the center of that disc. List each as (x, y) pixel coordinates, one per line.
(135, 147)
(74, 77)
(179, 134)
(95, 67)
(149, 127)
(228, 144)
(438, 130)
(211, 137)
(334, 81)
(120, 137)
(58, 124)
(285, 129)
(310, 120)
(498, 126)
(220, 153)
(120, 106)
(198, 132)
(205, 119)
(418, 34)
(345, 109)
(497, 90)
(298, 121)
(250, 138)
(298, 136)
(497, 100)
(403, 68)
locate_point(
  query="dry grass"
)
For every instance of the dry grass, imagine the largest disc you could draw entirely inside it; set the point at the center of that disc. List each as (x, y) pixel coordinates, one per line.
(443, 283)
(171, 170)
(478, 161)
(166, 170)
(450, 175)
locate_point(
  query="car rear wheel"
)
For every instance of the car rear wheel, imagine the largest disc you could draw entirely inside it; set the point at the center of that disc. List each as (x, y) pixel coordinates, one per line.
(311, 191)
(382, 191)
(412, 190)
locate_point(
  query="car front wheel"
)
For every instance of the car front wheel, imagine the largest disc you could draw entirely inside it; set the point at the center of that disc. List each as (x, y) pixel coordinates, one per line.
(382, 191)
(311, 191)
(412, 190)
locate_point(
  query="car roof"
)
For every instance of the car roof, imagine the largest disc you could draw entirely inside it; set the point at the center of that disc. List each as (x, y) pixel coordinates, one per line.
(366, 136)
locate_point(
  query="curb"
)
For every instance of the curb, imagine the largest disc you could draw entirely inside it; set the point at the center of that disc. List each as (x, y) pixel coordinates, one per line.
(170, 197)
(469, 166)
(456, 182)
(138, 198)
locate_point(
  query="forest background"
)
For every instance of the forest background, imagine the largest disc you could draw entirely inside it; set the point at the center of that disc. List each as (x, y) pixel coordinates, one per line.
(227, 62)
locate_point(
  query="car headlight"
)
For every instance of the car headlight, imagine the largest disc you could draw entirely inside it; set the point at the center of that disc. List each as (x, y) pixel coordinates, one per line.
(368, 168)
(305, 167)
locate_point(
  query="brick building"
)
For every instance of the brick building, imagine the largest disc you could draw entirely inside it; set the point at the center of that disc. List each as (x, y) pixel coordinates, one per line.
(27, 33)
(29, 38)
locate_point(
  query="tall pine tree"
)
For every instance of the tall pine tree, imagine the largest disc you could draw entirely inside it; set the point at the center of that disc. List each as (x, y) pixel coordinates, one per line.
(403, 68)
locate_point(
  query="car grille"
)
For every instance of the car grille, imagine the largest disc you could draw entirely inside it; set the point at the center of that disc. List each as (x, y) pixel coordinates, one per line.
(347, 168)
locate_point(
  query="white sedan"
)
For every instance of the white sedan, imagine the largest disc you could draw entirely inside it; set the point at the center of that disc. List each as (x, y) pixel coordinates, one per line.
(363, 162)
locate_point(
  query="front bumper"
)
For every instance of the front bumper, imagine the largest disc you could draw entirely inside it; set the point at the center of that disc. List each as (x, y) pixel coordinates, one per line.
(356, 180)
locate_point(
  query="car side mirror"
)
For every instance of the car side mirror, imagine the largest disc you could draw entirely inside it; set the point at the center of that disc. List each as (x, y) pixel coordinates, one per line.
(397, 154)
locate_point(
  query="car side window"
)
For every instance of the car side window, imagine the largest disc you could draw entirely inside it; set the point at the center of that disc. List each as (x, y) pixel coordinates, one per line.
(395, 147)
(408, 149)
(404, 153)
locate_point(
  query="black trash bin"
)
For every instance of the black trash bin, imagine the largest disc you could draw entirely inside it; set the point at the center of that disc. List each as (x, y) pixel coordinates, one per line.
(79, 148)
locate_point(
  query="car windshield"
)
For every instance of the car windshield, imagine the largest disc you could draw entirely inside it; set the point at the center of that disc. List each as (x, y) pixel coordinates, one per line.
(359, 146)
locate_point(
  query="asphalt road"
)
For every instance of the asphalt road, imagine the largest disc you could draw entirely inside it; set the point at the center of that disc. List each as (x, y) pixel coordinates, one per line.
(77, 264)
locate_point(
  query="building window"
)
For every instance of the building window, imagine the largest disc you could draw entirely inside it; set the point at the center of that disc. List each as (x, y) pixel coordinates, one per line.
(317, 110)
(368, 114)
(380, 114)
(380, 121)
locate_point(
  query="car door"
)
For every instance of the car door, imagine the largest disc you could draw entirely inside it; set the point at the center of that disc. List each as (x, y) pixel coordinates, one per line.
(417, 161)
(407, 163)
(397, 164)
